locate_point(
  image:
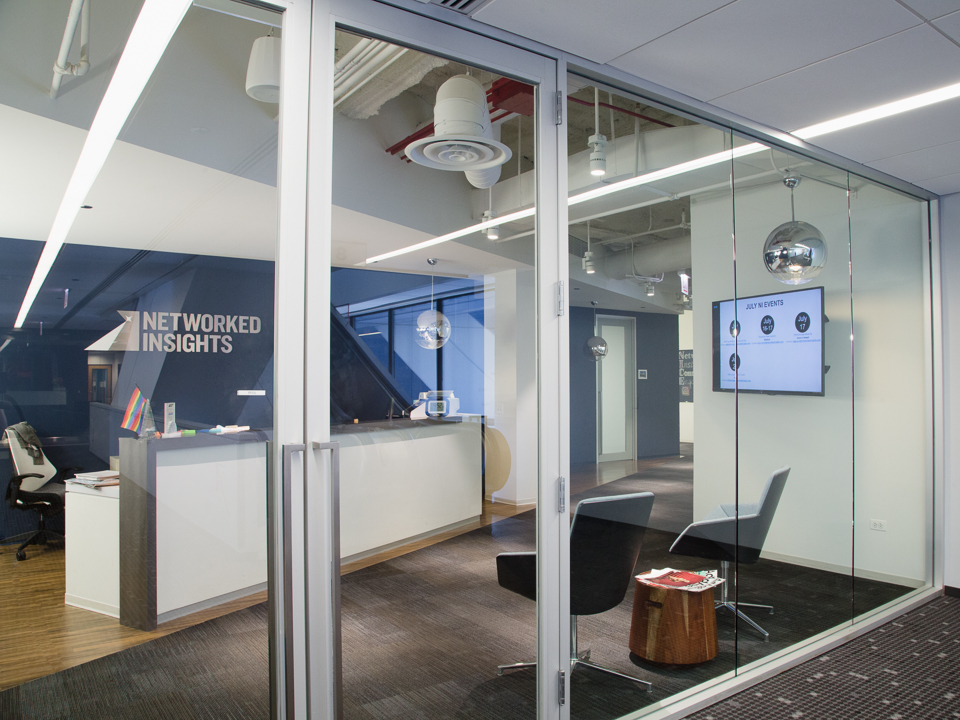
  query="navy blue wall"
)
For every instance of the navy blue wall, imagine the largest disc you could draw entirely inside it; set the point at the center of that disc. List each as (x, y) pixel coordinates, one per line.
(658, 410)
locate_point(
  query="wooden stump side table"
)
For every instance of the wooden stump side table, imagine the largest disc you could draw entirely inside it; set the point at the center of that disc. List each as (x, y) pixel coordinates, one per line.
(673, 627)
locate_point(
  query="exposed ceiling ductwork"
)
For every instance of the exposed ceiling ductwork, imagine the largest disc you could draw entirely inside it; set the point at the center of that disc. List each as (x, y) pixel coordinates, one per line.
(648, 260)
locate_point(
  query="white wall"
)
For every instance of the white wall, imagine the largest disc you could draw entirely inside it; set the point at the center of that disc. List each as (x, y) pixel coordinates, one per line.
(743, 439)
(512, 341)
(685, 322)
(950, 278)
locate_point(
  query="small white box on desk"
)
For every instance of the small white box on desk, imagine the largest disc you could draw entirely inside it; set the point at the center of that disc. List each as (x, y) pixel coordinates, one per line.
(93, 548)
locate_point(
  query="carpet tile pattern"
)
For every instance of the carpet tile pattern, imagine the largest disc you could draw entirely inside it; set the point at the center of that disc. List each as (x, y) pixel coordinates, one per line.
(908, 669)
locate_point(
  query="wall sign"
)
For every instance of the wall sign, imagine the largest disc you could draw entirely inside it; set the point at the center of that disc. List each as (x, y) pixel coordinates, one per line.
(686, 376)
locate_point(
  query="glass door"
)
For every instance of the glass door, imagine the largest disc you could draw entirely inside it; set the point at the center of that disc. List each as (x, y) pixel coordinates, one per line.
(432, 374)
(138, 356)
(616, 409)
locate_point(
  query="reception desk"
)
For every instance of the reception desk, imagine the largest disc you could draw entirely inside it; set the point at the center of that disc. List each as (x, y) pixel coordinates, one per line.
(188, 522)
(193, 524)
(405, 480)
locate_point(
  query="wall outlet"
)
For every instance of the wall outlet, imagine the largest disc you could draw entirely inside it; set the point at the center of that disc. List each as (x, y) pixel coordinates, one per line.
(880, 525)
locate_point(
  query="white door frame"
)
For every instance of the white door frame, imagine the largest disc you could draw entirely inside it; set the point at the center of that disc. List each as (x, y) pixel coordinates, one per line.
(315, 670)
(631, 446)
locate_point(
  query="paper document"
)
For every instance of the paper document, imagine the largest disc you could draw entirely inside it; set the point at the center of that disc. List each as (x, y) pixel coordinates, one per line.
(100, 478)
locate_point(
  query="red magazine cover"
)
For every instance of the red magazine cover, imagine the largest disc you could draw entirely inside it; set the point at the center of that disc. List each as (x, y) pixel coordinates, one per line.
(679, 579)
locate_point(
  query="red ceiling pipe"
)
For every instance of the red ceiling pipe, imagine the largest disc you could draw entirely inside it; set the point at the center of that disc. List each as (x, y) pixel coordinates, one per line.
(620, 109)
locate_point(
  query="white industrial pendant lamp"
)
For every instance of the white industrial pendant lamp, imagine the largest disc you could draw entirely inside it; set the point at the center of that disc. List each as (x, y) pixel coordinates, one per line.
(587, 262)
(597, 142)
(795, 252)
(463, 135)
(492, 233)
(263, 70)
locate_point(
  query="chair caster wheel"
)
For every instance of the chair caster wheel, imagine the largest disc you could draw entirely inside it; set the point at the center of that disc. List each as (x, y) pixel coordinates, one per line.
(21, 555)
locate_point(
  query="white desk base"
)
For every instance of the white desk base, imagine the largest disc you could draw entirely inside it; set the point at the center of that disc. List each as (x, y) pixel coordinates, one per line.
(93, 549)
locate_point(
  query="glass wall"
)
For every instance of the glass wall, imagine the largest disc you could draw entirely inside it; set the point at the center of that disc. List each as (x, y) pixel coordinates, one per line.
(645, 247)
(434, 383)
(779, 314)
(139, 380)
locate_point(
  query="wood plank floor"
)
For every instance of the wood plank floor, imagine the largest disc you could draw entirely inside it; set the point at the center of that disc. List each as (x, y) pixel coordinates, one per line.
(39, 635)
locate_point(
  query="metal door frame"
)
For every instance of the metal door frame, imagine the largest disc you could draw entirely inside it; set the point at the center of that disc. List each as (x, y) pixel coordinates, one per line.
(318, 669)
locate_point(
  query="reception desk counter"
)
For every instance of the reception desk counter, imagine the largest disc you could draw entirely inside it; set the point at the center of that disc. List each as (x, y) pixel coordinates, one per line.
(405, 480)
(193, 520)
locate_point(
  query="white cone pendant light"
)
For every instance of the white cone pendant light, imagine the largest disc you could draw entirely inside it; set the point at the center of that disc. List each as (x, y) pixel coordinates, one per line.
(463, 136)
(263, 70)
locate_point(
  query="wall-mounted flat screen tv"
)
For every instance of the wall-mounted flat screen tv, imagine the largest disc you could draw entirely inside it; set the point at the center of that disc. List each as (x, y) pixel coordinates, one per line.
(770, 343)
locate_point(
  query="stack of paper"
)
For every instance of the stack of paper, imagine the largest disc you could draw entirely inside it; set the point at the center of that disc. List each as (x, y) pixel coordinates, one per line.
(100, 478)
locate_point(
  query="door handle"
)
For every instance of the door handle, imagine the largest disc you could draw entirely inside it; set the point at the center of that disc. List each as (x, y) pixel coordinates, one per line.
(334, 448)
(280, 570)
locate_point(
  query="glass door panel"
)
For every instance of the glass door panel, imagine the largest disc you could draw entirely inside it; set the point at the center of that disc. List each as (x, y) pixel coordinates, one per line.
(435, 383)
(146, 359)
(794, 411)
(647, 254)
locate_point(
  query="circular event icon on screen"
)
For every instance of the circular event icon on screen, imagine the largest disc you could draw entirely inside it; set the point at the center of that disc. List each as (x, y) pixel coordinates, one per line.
(734, 361)
(735, 328)
(766, 325)
(802, 322)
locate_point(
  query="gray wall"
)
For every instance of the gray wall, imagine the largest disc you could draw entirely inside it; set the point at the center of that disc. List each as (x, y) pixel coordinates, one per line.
(950, 278)
(658, 411)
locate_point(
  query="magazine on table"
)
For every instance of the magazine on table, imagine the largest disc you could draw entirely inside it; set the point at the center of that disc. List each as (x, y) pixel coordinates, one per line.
(671, 579)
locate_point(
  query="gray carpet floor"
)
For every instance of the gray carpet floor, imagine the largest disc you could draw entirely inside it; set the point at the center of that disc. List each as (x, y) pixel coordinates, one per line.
(424, 632)
(908, 669)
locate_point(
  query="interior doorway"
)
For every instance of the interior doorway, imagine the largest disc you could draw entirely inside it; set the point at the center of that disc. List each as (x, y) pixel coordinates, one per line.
(617, 390)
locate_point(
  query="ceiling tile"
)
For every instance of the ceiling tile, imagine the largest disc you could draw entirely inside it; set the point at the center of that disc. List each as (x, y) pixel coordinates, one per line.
(905, 64)
(950, 25)
(931, 9)
(908, 132)
(932, 162)
(754, 40)
(599, 30)
(943, 185)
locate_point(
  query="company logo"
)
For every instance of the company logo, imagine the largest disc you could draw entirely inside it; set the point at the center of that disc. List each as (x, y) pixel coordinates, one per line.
(176, 332)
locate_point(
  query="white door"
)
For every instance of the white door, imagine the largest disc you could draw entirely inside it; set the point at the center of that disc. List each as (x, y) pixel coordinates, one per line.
(616, 390)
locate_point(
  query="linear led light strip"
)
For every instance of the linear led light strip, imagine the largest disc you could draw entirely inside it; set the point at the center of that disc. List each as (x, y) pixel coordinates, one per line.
(847, 121)
(155, 26)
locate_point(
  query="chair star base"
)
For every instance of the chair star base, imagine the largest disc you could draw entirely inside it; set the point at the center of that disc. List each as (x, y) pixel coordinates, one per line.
(577, 659)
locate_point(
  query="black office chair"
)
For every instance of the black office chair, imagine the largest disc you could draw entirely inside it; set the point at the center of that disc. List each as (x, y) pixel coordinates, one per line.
(36, 487)
(605, 540)
(731, 534)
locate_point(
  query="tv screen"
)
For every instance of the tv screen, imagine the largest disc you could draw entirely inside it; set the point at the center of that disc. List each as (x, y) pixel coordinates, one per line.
(769, 343)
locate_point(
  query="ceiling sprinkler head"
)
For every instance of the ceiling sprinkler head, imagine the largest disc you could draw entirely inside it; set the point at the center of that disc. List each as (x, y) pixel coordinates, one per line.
(432, 261)
(791, 181)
